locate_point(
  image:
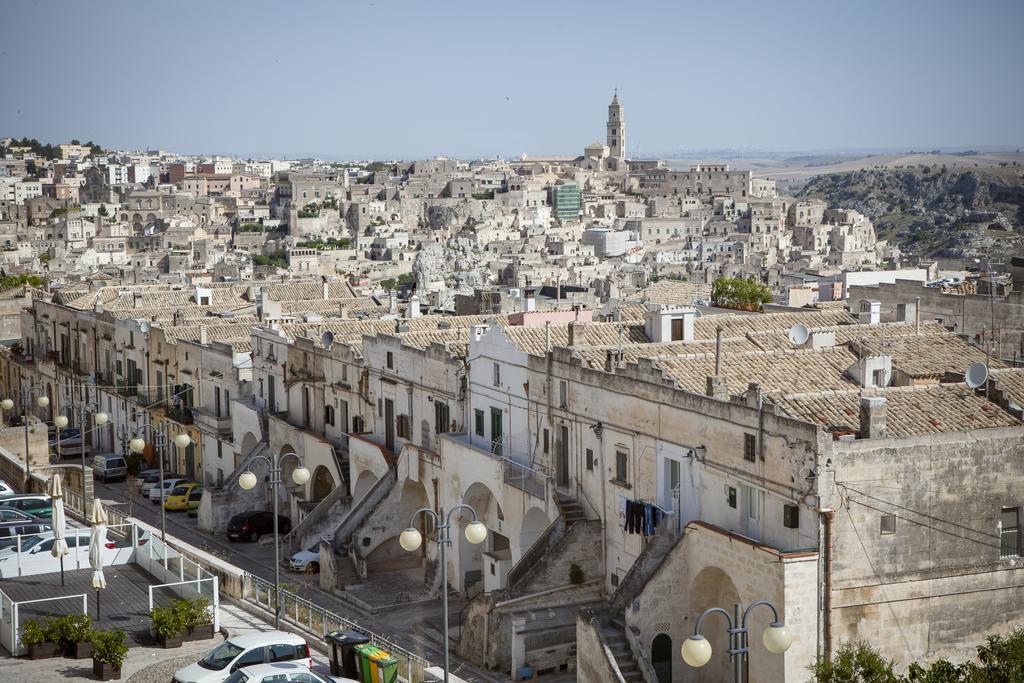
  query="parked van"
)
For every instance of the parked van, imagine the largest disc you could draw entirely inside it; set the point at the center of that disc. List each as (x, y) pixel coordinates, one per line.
(107, 467)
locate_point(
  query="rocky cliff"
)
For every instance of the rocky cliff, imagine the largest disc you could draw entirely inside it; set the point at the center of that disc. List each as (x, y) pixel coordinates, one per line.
(935, 211)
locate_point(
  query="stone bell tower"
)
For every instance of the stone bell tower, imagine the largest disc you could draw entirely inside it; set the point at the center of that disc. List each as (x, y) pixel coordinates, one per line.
(616, 128)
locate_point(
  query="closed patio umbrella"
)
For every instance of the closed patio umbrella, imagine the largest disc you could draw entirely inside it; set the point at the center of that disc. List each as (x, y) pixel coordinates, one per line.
(97, 542)
(60, 546)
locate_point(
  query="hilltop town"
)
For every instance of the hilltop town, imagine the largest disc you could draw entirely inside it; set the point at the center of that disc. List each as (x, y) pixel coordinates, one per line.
(659, 389)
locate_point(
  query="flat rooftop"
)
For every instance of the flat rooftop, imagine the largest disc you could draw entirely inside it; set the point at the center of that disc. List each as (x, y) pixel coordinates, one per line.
(124, 603)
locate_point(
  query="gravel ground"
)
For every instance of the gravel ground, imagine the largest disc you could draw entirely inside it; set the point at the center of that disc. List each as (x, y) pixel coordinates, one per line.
(170, 661)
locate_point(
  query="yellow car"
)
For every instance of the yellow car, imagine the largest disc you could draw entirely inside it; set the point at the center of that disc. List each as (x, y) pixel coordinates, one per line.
(177, 499)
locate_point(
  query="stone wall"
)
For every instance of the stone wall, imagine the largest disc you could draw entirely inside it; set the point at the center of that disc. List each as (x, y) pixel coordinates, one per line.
(937, 585)
(581, 546)
(593, 658)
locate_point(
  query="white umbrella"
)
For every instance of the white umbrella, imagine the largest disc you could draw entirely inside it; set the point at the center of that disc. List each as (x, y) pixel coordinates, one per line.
(60, 546)
(97, 543)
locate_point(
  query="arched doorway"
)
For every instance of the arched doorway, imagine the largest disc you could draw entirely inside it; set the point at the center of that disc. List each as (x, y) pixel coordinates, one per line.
(712, 587)
(364, 483)
(661, 657)
(471, 556)
(534, 523)
(249, 444)
(388, 555)
(323, 483)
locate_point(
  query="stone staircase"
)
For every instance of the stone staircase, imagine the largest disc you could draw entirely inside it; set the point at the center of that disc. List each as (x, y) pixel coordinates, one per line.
(614, 633)
(572, 511)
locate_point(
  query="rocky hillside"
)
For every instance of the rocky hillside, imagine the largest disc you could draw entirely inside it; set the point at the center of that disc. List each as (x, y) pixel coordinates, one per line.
(935, 211)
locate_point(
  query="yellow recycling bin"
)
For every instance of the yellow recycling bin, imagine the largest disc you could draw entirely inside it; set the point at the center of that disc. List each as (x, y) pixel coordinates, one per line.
(387, 668)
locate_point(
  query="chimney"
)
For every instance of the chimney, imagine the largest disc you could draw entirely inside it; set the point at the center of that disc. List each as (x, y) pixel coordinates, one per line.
(870, 312)
(343, 312)
(576, 333)
(325, 287)
(872, 417)
(612, 359)
(529, 302)
(137, 299)
(718, 388)
(478, 331)
(917, 315)
(392, 301)
(204, 335)
(413, 310)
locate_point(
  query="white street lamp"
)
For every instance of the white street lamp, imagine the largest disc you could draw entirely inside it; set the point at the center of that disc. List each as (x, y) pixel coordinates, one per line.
(6, 404)
(137, 444)
(696, 651)
(43, 401)
(101, 419)
(61, 421)
(182, 440)
(248, 480)
(411, 538)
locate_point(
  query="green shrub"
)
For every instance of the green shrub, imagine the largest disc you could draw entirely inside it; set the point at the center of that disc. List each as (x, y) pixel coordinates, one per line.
(193, 612)
(71, 628)
(32, 633)
(109, 647)
(167, 621)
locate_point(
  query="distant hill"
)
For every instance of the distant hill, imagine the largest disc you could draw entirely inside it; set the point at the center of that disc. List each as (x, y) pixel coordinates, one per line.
(935, 210)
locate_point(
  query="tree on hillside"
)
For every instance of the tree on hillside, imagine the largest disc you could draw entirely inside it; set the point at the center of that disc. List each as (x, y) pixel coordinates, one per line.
(738, 293)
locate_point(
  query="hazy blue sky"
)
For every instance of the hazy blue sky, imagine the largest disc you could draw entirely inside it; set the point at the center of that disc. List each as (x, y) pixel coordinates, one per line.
(408, 79)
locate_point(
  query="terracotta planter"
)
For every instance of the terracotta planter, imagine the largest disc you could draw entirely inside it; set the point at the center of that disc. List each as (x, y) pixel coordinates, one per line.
(170, 641)
(43, 650)
(81, 650)
(203, 632)
(105, 672)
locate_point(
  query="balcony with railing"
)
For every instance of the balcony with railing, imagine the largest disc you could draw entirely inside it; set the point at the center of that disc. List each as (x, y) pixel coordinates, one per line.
(180, 414)
(508, 468)
(209, 421)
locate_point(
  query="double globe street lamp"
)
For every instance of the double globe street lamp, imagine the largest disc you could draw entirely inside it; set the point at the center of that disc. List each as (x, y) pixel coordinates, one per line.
(61, 421)
(411, 539)
(696, 651)
(138, 445)
(248, 480)
(43, 401)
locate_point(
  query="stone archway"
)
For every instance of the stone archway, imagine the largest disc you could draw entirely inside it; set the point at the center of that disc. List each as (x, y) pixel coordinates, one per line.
(534, 523)
(323, 483)
(249, 444)
(712, 587)
(388, 555)
(661, 657)
(364, 483)
(471, 556)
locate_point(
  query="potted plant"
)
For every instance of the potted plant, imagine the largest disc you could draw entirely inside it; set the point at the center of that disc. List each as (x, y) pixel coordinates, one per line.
(38, 640)
(75, 635)
(108, 653)
(197, 617)
(168, 626)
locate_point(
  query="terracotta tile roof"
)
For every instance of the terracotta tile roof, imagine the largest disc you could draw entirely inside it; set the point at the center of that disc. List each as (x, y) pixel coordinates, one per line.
(674, 292)
(735, 325)
(910, 411)
(238, 329)
(1011, 383)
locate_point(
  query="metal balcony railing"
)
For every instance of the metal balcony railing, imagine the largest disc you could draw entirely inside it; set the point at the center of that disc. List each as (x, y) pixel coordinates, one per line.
(180, 414)
(1009, 541)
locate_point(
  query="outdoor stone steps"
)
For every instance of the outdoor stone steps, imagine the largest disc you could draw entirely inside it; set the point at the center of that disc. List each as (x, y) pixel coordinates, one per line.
(615, 636)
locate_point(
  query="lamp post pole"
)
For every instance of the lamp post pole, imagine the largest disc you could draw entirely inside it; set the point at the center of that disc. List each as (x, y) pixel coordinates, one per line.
(138, 445)
(42, 400)
(696, 651)
(100, 418)
(300, 475)
(411, 539)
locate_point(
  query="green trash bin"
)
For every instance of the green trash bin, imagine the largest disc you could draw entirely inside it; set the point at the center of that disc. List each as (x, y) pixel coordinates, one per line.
(369, 669)
(387, 669)
(362, 663)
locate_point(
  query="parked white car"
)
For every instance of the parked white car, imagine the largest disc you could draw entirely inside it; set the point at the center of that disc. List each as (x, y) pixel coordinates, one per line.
(158, 495)
(43, 543)
(282, 672)
(307, 560)
(245, 651)
(5, 489)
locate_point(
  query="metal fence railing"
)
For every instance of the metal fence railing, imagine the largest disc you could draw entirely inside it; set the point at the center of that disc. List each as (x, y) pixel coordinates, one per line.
(524, 478)
(1009, 541)
(318, 621)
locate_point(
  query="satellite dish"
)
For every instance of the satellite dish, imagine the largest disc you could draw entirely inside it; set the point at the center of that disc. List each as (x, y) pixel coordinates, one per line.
(798, 334)
(327, 340)
(976, 375)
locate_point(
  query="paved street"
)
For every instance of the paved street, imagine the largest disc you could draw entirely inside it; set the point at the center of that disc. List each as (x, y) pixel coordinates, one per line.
(399, 624)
